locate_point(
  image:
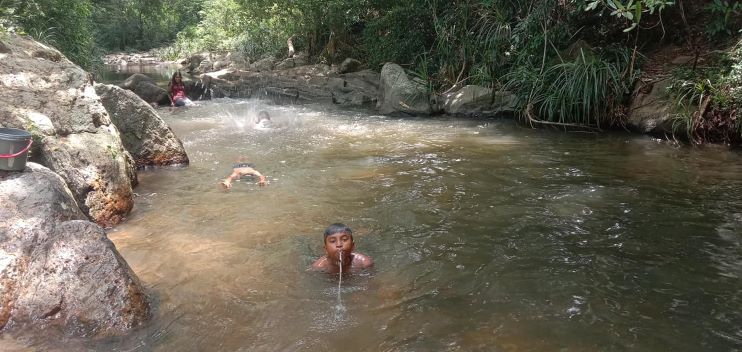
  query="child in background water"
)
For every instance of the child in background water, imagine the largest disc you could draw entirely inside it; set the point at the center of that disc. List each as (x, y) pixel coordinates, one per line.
(339, 247)
(264, 120)
(242, 168)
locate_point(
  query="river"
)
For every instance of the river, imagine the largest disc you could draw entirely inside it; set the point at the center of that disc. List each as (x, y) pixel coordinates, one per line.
(486, 236)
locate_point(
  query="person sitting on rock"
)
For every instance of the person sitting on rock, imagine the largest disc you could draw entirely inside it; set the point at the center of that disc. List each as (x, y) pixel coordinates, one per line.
(176, 91)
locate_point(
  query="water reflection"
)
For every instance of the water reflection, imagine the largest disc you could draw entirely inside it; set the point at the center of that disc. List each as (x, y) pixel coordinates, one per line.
(486, 236)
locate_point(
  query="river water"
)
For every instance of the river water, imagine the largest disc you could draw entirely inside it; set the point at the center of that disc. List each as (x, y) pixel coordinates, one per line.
(486, 236)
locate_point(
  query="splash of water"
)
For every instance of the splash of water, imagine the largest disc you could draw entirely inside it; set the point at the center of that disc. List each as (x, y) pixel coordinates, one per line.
(339, 307)
(340, 276)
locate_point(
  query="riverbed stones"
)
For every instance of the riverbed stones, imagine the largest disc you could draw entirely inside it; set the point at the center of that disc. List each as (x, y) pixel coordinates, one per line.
(144, 134)
(54, 99)
(265, 64)
(473, 100)
(297, 60)
(57, 268)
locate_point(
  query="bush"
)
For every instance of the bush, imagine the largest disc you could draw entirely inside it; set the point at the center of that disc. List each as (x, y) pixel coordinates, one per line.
(708, 101)
(64, 24)
(586, 91)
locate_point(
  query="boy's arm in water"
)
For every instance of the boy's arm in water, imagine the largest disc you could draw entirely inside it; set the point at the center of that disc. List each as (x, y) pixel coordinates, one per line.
(239, 172)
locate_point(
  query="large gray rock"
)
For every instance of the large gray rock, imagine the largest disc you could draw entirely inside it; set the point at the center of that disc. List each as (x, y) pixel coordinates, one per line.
(349, 65)
(309, 83)
(46, 94)
(145, 136)
(398, 93)
(194, 62)
(134, 80)
(297, 60)
(146, 88)
(98, 170)
(301, 84)
(265, 64)
(205, 66)
(472, 100)
(356, 89)
(152, 93)
(651, 112)
(237, 59)
(56, 268)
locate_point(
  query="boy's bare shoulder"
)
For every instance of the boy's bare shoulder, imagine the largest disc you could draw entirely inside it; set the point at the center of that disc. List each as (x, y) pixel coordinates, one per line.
(321, 263)
(362, 260)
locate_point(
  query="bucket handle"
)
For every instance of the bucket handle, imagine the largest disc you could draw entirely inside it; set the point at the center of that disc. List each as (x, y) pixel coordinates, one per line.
(8, 156)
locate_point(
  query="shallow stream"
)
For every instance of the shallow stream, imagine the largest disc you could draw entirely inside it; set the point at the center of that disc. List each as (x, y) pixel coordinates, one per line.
(487, 236)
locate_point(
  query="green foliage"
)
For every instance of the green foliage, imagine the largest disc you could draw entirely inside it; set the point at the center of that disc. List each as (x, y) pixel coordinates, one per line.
(112, 151)
(64, 24)
(141, 24)
(36, 134)
(630, 10)
(707, 100)
(8, 18)
(721, 17)
(398, 34)
(585, 91)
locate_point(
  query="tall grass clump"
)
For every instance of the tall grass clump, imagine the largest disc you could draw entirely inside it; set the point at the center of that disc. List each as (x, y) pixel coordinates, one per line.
(708, 101)
(587, 91)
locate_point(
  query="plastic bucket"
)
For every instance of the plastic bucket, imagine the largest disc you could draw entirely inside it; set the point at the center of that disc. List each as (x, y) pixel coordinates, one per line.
(14, 146)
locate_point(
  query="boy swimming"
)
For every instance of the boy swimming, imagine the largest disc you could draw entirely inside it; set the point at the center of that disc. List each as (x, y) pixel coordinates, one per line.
(339, 248)
(264, 120)
(242, 169)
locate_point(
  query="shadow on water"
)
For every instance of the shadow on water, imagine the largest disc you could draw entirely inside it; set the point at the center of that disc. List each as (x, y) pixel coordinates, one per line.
(486, 236)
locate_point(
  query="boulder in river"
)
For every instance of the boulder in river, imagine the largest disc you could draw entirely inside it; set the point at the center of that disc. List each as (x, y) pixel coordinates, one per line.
(57, 268)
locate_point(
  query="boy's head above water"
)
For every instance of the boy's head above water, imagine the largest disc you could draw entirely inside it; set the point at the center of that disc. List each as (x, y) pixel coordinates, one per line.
(338, 239)
(340, 248)
(263, 115)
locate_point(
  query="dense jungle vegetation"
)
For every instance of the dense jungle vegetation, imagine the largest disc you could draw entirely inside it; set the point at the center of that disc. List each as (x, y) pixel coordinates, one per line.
(569, 62)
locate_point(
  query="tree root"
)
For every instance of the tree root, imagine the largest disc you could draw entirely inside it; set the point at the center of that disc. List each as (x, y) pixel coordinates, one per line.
(532, 120)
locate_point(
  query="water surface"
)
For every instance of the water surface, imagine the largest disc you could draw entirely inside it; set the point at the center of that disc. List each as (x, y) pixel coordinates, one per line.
(486, 236)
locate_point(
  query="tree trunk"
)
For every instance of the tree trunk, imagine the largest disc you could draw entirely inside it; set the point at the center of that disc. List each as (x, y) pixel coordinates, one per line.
(290, 44)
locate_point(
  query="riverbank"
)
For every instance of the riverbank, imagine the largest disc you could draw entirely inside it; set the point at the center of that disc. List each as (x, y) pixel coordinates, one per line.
(665, 103)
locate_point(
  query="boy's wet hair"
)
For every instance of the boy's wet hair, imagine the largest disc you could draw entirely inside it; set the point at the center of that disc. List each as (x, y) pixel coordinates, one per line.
(337, 228)
(263, 115)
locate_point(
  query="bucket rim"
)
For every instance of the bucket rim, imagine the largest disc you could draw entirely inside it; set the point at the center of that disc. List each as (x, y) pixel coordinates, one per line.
(14, 134)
